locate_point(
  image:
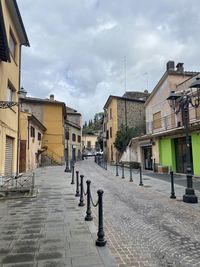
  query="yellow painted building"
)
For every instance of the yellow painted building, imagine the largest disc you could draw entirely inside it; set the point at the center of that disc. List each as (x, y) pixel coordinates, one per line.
(89, 143)
(51, 114)
(13, 36)
(127, 110)
(31, 136)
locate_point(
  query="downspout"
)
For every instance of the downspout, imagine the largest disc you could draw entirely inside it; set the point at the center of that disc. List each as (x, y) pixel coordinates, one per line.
(19, 105)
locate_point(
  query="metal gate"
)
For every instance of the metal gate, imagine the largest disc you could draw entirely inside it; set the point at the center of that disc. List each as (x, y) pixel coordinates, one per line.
(9, 156)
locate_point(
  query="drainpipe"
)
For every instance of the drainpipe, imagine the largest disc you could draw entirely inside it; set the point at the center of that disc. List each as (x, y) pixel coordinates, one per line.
(19, 108)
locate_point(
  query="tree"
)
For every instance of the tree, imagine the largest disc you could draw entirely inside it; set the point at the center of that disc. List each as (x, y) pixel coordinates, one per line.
(124, 135)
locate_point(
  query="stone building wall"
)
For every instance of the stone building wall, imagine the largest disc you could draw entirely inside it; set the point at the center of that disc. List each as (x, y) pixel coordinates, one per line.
(131, 111)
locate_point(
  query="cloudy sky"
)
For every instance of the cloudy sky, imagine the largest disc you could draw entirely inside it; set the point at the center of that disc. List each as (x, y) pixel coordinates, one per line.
(81, 48)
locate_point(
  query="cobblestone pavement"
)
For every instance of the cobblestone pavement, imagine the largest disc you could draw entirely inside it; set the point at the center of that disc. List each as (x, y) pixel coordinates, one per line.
(49, 230)
(143, 226)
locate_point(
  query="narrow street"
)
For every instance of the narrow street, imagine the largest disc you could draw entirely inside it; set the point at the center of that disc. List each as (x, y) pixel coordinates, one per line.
(144, 227)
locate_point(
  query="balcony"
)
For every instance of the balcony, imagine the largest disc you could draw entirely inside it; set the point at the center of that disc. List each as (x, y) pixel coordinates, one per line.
(172, 121)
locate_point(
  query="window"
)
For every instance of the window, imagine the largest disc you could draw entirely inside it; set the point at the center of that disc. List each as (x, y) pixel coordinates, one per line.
(12, 44)
(110, 132)
(157, 120)
(10, 92)
(197, 112)
(39, 136)
(79, 139)
(73, 137)
(107, 134)
(32, 131)
(110, 113)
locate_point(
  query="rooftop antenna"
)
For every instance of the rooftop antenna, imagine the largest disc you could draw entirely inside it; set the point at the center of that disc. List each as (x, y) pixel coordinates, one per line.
(125, 73)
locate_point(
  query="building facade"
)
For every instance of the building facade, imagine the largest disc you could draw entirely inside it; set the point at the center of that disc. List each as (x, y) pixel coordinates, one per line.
(163, 148)
(52, 115)
(31, 136)
(90, 144)
(73, 135)
(13, 36)
(127, 110)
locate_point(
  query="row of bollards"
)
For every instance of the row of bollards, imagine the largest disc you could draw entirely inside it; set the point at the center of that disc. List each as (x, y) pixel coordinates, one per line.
(100, 161)
(139, 170)
(80, 193)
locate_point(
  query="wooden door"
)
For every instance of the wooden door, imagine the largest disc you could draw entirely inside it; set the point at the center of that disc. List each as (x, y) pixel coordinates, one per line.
(22, 158)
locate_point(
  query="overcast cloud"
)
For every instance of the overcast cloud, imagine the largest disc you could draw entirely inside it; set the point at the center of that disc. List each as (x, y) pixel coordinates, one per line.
(78, 47)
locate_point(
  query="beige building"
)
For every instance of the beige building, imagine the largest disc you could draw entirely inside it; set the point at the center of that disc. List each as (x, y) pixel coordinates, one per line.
(127, 110)
(73, 129)
(163, 147)
(13, 36)
(90, 143)
(31, 136)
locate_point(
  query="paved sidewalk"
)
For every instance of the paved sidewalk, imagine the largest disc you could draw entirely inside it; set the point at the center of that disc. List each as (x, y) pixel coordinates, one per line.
(49, 230)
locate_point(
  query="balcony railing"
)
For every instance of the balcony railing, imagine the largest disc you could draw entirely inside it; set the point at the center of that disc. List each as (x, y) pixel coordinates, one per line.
(171, 121)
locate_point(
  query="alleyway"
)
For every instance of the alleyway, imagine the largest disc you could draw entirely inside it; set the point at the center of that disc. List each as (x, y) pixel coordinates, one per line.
(144, 227)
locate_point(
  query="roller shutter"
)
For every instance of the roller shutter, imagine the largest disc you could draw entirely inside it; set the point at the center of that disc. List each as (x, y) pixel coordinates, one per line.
(9, 155)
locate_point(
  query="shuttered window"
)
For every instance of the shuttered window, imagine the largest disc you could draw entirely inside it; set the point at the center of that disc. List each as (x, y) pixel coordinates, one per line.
(157, 120)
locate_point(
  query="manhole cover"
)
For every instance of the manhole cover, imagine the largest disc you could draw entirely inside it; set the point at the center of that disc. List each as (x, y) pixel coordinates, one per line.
(147, 186)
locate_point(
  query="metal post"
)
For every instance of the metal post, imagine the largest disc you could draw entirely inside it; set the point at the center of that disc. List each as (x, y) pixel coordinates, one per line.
(100, 242)
(117, 173)
(81, 203)
(131, 177)
(77, 184)
(88, 216)
(172, 185)
(189, 196)
(154, 165)
(140, 170)
(123, 171)
(105, 164)
(33, 183)
(72, 182)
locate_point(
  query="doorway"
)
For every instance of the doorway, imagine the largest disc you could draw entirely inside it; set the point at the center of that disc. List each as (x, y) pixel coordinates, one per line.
(180, 155)
(148, 158)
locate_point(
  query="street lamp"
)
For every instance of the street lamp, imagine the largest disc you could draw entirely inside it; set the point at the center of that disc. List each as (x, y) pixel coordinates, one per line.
(181, 102)
(67, 169)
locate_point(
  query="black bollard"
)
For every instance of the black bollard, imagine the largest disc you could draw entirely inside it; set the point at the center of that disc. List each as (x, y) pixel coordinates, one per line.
(106, 167)
(172, 185)
(77, 184)
(117, 173)
(123, 171)
(72, 182)
(100, 242)
(140, 170)
(81, 202)
(88, 216)
(131, 177)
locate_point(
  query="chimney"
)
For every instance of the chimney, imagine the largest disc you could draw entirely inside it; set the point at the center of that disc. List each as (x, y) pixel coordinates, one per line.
(179, 67)
(51, 98)
(170, 65)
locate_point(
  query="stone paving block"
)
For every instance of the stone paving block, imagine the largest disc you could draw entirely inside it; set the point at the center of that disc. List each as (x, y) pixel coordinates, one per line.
(18, 258)
(22, 250)
(56, 263)
(49, 255)
(86, 261)
(83, 251)
(20, 265)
